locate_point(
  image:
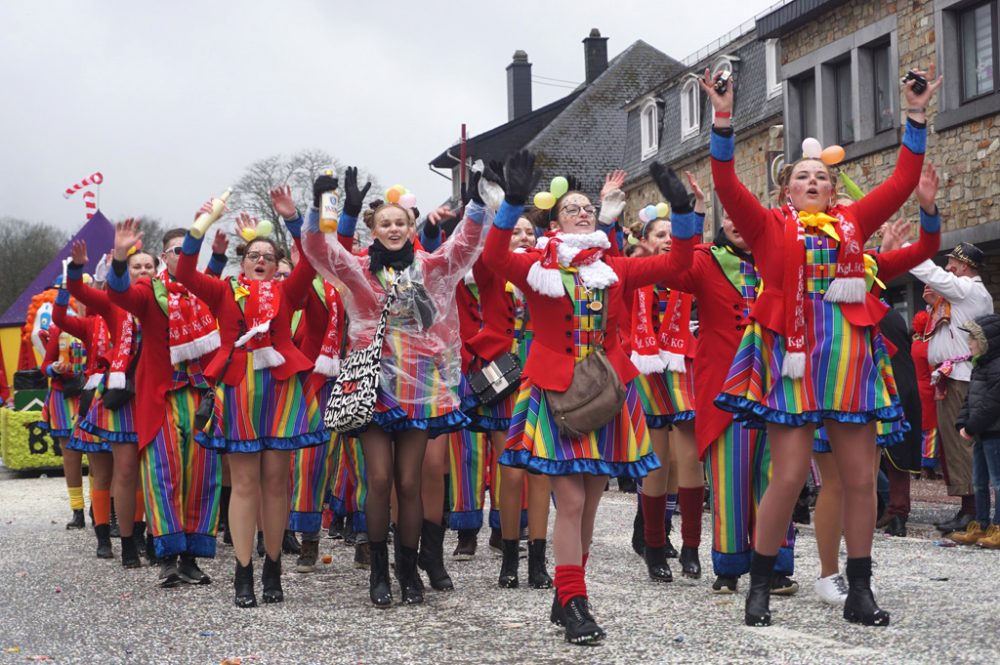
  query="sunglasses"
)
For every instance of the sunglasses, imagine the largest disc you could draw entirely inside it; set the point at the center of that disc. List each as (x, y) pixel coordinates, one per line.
(176, 251)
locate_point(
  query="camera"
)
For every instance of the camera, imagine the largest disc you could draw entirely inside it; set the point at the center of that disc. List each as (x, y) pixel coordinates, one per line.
(920, 83)
(721, 82)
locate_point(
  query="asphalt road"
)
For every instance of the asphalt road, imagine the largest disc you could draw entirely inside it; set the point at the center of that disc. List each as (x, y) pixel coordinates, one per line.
(59, 602)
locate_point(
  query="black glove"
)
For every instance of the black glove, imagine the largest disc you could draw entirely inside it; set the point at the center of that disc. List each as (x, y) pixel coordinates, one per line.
(520, 176)
(353, 197)
(494, 173)
(323, 184)
(473, 189)
(671, 187)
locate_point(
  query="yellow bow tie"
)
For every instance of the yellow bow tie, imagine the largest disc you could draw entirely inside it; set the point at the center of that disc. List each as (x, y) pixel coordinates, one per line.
(821, 221)
(241, 292)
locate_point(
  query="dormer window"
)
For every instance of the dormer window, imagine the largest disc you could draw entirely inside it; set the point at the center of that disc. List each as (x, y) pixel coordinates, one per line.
(649, 126)
(723, 64)
(771, 67)
(690, 108)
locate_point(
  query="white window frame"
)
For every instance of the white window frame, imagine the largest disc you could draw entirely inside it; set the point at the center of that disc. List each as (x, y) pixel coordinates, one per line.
(690, 126)
(725, 63)
(650, 142)
(774, 83)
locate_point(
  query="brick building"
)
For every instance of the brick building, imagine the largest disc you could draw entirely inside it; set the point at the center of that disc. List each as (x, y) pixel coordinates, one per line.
(841, 62)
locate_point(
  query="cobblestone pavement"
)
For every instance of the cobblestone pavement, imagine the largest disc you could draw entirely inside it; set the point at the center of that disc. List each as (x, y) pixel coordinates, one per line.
(59, 602)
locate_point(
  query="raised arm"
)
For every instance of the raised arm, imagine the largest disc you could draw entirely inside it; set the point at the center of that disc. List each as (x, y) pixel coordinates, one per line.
(97, 301)
(299, 282)
(668, 268)
(210, 289)
(894, 263)
(73, 325)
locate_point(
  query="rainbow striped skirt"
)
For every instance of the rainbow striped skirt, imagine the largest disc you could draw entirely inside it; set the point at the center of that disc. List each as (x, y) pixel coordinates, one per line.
(265, 413)
(667, 397)
(111, 426)
(59, 413)
(848, 375)
(620, 448)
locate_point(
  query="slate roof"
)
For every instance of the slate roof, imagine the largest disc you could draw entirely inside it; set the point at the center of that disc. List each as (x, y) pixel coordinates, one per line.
(581, 134)
(752, 107)
(793, 15)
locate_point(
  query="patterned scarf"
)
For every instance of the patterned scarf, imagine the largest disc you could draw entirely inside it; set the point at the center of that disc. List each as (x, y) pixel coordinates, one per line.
(123, 353)
(582, 252)
(262, 300)
(328, 361)
(655, 351)
(847, 287)
(193, 331)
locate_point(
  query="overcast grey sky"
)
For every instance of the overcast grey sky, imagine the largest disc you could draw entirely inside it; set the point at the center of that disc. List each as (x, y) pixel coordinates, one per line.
(171, 100)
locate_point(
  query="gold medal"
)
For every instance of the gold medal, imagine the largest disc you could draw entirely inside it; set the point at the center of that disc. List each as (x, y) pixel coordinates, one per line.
(595, 306)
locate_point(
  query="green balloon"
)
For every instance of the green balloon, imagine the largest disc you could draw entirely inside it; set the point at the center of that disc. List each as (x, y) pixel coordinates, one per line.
(559, 186)
(264, 228)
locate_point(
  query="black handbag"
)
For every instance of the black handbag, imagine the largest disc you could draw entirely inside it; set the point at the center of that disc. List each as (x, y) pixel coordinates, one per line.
(116, 398)
(74, 385)
(206, 405)
(496, 380)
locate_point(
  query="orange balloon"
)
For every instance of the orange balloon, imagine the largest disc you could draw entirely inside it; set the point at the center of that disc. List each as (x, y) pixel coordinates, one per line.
(832, 155)
(392, 196)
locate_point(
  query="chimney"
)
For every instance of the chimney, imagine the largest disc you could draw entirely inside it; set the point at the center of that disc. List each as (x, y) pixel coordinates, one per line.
(595, 54)
(518, 86)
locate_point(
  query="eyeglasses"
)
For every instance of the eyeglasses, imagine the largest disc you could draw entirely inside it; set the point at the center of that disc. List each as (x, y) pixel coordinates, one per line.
(574, 210)
(257, 256)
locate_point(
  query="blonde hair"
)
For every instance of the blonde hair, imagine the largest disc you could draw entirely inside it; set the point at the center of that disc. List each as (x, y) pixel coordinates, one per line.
(368, 216)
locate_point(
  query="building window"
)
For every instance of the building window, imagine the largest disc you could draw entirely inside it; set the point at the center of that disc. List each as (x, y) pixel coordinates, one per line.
(978, 47)
(882, 77)
(690, 108)
(845, 118)
(805, 87)
(771, 65)
(649, 128)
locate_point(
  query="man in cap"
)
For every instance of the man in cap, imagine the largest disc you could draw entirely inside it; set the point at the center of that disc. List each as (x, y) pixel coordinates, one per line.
(955, 294)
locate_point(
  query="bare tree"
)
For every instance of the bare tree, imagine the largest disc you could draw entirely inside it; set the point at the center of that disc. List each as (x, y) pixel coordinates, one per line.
(252, 192)
(25, 249)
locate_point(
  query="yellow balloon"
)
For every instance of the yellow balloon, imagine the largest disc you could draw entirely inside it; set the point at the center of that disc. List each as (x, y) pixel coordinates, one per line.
(832, 155)
(248, 234)
(559, 186)
(392, 196)
(544, 200)
(662, 210)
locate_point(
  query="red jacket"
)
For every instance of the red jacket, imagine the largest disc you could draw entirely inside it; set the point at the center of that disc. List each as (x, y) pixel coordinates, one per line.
(764, 228)
(315, 319)
(720, 329)
(218, 295)
(84, 328)
(497, 334)
(928, 406)
(470, 319)
(552, 357)
(98, 302)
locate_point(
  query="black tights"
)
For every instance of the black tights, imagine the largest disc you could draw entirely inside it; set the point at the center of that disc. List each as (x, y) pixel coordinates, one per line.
(383, 467)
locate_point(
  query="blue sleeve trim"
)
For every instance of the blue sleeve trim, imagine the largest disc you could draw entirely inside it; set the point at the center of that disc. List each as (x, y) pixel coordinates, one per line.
(217, 264)
(50, 372)
(346, 225)
(930, 223)
(62, 298)
(722, 147)
(684, 225)
(294, 226)
(429, 243)
(118, 281)
(915, 138)
(506, 217)
(74, 271)
(191, 245)
(312, 221)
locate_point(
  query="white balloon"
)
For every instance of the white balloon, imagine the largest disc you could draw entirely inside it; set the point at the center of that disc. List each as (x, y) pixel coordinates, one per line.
(811, 148)
(642, 216)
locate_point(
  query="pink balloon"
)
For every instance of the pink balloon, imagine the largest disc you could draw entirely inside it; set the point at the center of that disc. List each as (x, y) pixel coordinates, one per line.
(408, 200)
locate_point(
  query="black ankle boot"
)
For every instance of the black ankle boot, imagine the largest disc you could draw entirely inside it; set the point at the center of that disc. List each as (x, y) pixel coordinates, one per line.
(656, 564)
(409, 581)
(690, 564)
(290, 543)
(270, 580)
(139, 536)
(556, 613)
(260, 544)
(758, 612)
(116, 531)
(151, 550)
(130, 553)
(78, 521)
(509, 565)
(538, 577)
(243, 584)
(860, 606)
(431, 557)
(638, 533)
(379, 588)
(103, 533)
(580, 625)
